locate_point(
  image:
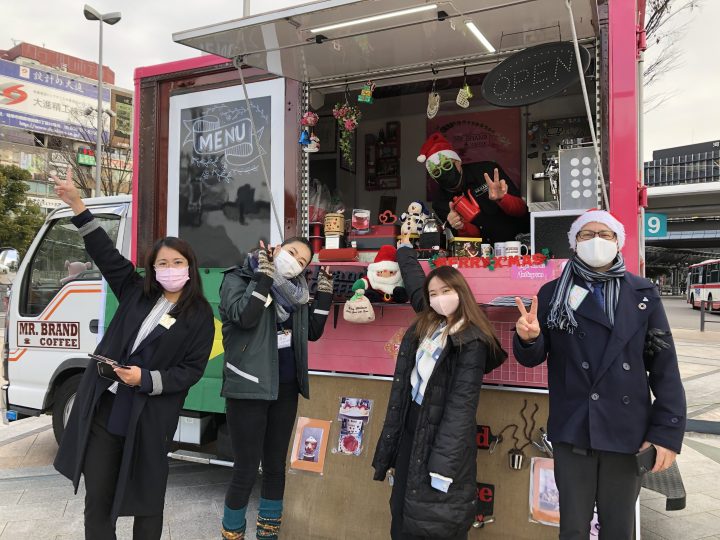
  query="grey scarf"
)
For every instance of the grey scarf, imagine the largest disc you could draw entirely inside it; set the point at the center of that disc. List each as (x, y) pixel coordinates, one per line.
(562, 316)
(288, 294)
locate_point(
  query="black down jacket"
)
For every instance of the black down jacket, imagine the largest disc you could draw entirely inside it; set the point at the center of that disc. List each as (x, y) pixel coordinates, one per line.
(445, 434)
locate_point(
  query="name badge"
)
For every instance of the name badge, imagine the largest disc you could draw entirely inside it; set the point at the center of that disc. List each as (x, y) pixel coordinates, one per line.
(284, 339)
(577, 295)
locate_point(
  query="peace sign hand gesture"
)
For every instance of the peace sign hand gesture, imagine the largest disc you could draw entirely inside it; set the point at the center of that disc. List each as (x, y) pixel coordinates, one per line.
(497, 187)
(527, 326)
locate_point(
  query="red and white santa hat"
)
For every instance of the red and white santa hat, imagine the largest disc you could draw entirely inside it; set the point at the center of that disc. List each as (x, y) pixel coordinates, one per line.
(385, 260)
(597, 216)
(435, 146)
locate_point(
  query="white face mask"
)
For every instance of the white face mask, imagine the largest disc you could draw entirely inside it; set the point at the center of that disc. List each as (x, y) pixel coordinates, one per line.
(445, 304)
(287, 265)
(597, 252)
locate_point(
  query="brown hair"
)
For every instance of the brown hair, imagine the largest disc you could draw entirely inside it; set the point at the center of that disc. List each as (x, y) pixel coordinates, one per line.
(468, 311)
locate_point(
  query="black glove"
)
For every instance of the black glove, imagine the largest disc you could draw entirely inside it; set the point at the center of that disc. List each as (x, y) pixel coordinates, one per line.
(655, 342)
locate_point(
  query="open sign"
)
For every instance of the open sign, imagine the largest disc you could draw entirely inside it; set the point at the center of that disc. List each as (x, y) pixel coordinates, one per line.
(534, 74)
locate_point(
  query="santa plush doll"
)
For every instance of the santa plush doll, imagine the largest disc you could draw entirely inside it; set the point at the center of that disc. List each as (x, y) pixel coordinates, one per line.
(383, 282)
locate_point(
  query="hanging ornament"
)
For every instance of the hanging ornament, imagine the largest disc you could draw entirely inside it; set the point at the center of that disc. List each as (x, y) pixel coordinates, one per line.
(366, 93)
(304, 137)
(464, 94)
(347, 117)
(433, 102)
(309, 119)
(313, 144)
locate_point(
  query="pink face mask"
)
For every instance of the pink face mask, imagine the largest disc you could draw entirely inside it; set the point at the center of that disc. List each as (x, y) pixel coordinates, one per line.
(445, 304)
(172, 279)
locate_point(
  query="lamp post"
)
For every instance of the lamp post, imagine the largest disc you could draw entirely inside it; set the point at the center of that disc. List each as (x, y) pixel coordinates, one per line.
(92, 14)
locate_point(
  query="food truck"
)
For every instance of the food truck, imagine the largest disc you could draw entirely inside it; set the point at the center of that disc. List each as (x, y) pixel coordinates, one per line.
(309, 121)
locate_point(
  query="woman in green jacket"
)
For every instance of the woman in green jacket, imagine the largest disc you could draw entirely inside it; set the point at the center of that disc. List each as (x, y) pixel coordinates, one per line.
(268, 319)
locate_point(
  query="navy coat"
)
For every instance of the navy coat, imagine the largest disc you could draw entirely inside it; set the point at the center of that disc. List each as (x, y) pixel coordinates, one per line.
(176, 359)
(600, 378)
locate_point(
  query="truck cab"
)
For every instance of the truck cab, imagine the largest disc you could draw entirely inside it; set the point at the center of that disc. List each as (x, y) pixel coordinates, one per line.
(56, 312)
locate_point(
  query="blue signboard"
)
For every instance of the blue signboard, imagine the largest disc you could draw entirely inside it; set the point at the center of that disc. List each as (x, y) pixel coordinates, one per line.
(655, 225)
(47, 102)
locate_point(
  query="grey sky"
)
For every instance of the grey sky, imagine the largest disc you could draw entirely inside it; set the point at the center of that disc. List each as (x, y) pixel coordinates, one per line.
(143, 38)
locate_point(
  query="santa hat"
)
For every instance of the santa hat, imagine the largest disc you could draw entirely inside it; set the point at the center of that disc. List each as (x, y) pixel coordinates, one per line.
(435, 146)
(597, 216)
(385, 260)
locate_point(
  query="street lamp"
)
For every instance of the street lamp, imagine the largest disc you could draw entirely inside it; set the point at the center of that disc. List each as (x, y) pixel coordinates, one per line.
(92, 14)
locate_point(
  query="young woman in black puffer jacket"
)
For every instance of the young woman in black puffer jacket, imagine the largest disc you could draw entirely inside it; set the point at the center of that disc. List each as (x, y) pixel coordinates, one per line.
(429, 432)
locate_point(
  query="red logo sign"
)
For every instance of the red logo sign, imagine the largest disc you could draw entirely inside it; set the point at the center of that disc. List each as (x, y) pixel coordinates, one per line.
(12, 94)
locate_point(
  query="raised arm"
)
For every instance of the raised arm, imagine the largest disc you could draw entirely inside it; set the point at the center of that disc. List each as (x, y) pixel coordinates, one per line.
(116, 269)
(413, 275)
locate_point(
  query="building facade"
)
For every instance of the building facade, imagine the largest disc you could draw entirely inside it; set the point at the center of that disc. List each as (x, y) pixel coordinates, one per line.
(48, 116)
(684, 185)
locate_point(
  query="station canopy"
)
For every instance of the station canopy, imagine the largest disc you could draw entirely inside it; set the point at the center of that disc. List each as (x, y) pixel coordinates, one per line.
(342, 41)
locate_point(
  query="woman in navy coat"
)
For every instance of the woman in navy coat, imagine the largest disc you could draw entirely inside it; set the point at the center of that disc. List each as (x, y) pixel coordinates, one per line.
(608, 345)
(117, 434)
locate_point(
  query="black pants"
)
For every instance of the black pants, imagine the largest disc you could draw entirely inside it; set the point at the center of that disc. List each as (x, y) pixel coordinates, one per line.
(606, 478)
(102, 465)
(402, 466)
(260, 431)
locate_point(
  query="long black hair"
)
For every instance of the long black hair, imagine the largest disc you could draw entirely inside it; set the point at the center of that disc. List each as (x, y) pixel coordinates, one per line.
(192, 297)
(302, 240)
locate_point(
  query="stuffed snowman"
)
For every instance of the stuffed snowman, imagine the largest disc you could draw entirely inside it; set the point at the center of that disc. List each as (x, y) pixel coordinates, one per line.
(414, 219)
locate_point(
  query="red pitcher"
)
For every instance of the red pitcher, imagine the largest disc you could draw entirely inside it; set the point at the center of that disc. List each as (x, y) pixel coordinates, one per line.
(466, 206)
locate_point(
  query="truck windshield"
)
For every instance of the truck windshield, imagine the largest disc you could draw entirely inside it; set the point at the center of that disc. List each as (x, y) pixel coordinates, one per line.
(59, 259)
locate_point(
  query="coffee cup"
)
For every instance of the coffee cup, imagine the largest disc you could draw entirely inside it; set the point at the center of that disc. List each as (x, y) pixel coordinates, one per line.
(486, 250)
(500, 249)
(515, 249)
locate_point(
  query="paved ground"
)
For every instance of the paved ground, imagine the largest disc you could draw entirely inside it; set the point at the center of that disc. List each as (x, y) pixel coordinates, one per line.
(35, 502)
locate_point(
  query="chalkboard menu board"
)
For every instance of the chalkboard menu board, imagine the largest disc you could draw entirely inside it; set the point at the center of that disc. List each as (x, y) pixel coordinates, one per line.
(534, 74)
(549, 230)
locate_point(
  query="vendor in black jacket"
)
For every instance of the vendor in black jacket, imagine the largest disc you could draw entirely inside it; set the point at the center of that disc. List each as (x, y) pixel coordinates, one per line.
(430, 427)
(503, 213)
(608, 345)
(162, 333)
(268, 319)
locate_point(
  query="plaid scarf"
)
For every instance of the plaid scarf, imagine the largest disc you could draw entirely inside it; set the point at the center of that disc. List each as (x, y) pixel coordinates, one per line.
(562, 316)
(289, 294)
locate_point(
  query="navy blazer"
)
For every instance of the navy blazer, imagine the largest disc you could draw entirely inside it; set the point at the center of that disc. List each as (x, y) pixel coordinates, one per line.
(600, 378)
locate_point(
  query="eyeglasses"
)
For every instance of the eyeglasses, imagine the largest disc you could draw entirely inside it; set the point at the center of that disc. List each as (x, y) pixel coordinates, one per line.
(436, 169)
(589, 235)
(173, 264)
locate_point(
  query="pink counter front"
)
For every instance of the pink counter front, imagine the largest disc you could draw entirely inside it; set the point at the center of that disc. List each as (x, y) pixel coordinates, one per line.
(371, 349)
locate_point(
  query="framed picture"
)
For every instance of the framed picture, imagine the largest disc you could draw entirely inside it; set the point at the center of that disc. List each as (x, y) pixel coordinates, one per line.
(344, 164)
(388, 182)
(393, 132)
(310, 445)
(326, 131)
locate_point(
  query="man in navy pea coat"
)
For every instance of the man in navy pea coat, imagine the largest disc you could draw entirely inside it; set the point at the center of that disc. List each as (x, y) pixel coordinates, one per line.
(607, 342)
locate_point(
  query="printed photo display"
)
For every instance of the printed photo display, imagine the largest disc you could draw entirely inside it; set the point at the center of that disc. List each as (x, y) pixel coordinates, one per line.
(353, 415)
(544, 496)
(310, 445)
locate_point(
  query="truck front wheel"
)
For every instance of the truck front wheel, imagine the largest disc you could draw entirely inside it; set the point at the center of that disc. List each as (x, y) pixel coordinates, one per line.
(64, 400)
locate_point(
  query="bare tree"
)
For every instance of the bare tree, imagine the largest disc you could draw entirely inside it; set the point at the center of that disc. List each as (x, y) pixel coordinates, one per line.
(115, 163)
(663, 40)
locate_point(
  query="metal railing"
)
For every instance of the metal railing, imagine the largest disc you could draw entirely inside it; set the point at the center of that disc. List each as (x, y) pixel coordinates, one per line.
(703, 310)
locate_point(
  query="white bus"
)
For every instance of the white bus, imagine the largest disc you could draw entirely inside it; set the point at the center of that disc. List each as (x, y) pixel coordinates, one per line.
(704, 284)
